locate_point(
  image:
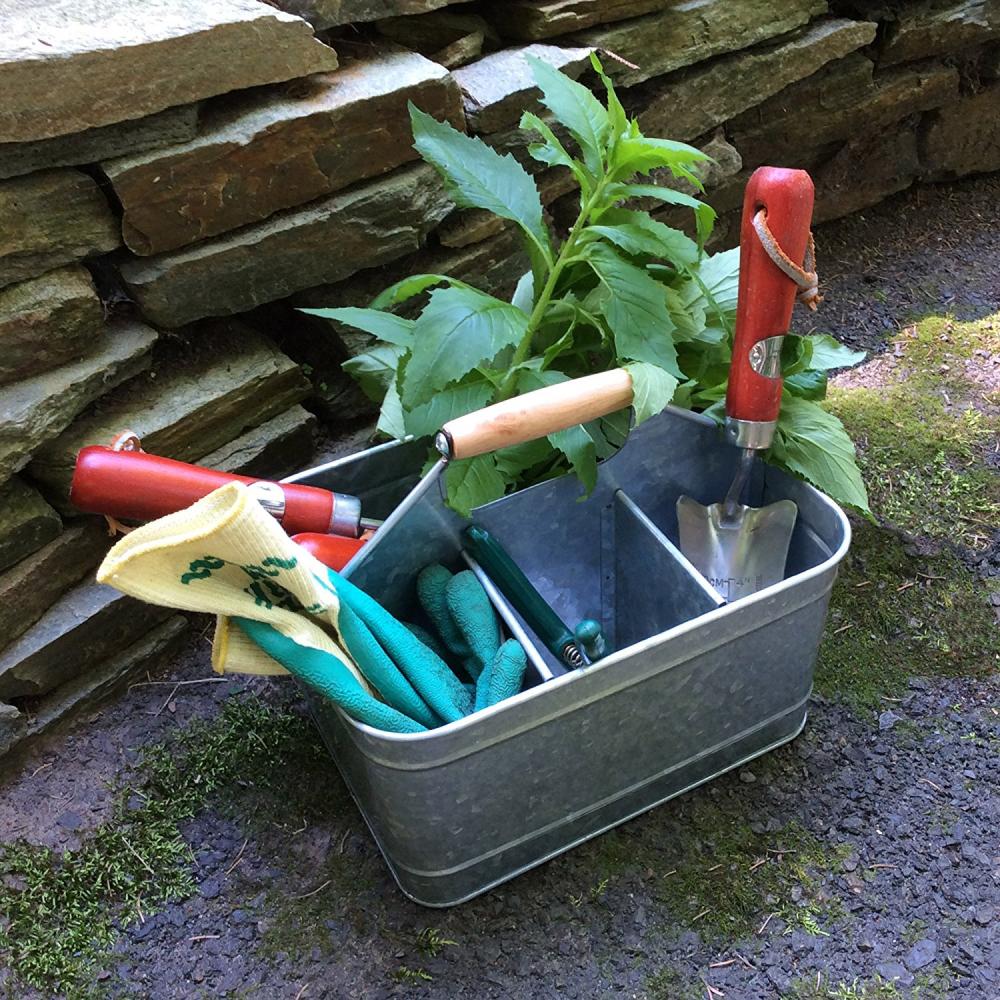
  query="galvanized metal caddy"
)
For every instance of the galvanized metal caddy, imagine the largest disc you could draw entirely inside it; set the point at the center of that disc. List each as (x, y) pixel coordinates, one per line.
(694, 687)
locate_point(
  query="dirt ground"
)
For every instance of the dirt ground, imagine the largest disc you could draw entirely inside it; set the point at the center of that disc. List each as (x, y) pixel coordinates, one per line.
(862, 860)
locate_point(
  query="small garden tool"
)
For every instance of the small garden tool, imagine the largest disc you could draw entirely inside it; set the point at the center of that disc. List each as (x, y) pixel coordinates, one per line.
(125, 482)
(742, 549)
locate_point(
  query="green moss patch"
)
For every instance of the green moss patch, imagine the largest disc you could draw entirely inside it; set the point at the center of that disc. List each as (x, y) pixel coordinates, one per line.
(58, 911)
(924, 419)
(894, 615)
(723, 879)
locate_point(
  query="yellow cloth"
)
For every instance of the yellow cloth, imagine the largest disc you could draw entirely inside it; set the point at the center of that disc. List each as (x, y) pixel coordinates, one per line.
(226, 555)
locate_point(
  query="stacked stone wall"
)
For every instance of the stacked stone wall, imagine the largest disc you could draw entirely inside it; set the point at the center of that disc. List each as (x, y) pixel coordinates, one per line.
(177, 176)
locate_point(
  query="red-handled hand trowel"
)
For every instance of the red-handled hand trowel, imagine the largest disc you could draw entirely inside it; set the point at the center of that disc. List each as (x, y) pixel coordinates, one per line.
(741, 549)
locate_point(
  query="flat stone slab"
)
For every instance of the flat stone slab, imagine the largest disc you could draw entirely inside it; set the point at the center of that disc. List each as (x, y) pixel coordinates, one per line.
(446, 37)
(327, 240)
(38, 408)
(499, 87)
(27, 522)
(30, 588)
(278, 447)
(47, 321)
(90, 687)
(115, 60)
(931, 30)
(330, 13)
(49, 219)
(96, 144)
(839, 102)
(694, 30)
(687, 104)
(203, 393)
(964, 138)
(84, 627)
(317, 135)
(532, 20)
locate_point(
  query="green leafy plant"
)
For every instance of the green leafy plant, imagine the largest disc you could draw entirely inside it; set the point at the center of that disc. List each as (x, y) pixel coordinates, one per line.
(622, 289)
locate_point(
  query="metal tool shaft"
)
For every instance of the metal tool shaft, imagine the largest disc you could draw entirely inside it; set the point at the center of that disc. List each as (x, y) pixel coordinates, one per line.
(734, 498)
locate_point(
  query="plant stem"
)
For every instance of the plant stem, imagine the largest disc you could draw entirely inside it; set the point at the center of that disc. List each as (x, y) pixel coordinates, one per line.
(565, 254)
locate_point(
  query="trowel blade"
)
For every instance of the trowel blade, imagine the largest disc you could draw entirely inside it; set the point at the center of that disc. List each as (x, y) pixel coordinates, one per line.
(738, 555)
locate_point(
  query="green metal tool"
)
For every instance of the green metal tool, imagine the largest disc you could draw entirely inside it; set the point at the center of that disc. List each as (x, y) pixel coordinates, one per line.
(521, 593)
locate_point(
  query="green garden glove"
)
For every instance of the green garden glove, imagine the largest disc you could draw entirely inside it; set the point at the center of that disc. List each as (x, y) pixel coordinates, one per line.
(463, 616)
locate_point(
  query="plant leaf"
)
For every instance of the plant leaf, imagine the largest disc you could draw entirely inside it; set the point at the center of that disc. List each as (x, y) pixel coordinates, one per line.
(638, 233)
(635, 309)
(407, 288)
(813, 444)
(386, 326)
(375, 370)
(390, 420)
(477, 176)
(551, 151)
(617, 119)
(518, 458)
(576, 108)
(459, 329)
(652, 389)
(578, 446)
(472, 482)
(454, 401)
(623, 192)
(828, 353)
(640, 154)
(810, 384)
(714, 286)
(524, 293)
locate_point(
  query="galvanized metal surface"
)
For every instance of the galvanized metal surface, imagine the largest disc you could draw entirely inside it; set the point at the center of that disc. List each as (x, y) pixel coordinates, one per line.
(692, 688)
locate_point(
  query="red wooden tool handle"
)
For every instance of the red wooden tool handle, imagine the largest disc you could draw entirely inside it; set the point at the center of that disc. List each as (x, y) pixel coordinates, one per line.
(766, 294)
(334, 551)
(139, 487)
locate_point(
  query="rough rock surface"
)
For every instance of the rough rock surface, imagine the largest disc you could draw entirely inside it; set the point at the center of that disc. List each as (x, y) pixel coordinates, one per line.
(35, 409)
(694, 30)
(330, 13)
(821, 109)
(864, 172)
(47, 321)
(327, 240)
(90, 687)
(964, 138)
(29, 589)
(500, 87)
(317, 136)
(114, 60)
(27, 522)
(687, 104)
(446, 37)
(278, 447)
(200, 395)
(931, 29)
(51, 218)
(83, 628)
(96, 144)
(493, 266)
(532, 20)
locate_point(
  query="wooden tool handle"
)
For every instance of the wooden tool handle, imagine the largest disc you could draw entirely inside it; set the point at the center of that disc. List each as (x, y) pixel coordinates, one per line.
(766, 294)
(536, 414)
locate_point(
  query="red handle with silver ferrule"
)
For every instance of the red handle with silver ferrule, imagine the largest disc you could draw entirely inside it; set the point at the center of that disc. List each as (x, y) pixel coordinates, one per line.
(766, 297)
(138, 487)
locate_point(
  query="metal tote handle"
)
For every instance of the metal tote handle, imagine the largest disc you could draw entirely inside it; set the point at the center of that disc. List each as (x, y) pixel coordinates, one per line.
(535, 414)
(766, 297)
